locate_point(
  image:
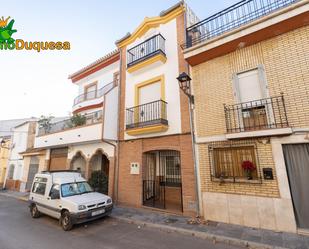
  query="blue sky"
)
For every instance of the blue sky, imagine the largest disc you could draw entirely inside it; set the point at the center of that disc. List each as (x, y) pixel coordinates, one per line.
(34, 83)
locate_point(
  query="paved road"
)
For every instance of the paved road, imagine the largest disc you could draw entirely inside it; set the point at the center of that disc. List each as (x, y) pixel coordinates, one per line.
(19, 231)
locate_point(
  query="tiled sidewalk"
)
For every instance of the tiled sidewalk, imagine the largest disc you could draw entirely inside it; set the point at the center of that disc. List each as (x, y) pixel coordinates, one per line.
(232, 234)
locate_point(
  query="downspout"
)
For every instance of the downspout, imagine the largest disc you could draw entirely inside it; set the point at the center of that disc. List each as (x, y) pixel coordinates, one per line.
(109, 141)
(194, 153)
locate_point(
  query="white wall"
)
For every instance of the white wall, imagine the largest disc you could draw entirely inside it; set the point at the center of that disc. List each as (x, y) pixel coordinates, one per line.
(102, 76)
(19, 144)
(111, 115)
(73, 136)
(169, 70)
(89, 150)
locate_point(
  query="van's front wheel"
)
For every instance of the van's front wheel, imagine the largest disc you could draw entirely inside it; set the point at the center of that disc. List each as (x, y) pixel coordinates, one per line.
(35, 213)
(66, 221)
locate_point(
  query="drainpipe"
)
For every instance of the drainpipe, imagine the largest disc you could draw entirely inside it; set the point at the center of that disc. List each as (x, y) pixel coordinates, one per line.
(109, 141)
(194, 153)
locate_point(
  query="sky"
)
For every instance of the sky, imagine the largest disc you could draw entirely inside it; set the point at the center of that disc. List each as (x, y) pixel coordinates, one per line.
(34, 84)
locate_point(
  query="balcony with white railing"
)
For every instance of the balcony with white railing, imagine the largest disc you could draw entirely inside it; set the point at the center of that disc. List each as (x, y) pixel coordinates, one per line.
(92, 97)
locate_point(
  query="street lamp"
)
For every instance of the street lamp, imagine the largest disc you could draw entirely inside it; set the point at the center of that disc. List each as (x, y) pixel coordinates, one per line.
(2, 144)
(184, 81)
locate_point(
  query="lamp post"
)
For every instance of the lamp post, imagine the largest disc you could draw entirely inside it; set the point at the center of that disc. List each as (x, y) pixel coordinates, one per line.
(184, 81)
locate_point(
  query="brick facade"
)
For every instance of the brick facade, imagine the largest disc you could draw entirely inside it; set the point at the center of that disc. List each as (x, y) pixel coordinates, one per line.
(130, 186)
(287, 71)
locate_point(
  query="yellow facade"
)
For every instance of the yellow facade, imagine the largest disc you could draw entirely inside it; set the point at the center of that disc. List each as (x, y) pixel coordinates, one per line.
(4, 155)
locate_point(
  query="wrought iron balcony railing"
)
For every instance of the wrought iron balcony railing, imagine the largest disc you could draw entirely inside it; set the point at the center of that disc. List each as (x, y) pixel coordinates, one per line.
(93, 94)
(152, 46)
(147, 114)
(262, 114)
(82, 120)
(231, 18)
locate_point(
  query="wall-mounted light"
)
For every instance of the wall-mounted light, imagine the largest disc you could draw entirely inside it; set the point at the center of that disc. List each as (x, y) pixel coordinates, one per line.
(184, 81)
(2, 144)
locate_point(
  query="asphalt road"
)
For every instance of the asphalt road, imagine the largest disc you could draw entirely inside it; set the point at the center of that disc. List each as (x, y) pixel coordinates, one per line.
(19, 231)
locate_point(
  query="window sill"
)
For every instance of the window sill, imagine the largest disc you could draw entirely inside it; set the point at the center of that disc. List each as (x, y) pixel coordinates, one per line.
(238, 180)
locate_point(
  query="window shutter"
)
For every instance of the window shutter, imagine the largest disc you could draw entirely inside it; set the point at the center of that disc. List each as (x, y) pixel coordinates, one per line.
(236, 88)
(263, 81)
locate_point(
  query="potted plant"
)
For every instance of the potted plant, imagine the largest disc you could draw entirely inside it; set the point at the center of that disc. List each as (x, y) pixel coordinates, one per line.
(78, 120)
(248, 167)
(45, 123)
(99, 181)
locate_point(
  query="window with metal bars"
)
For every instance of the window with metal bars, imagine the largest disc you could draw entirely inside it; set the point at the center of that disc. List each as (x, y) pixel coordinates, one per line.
(229, 162)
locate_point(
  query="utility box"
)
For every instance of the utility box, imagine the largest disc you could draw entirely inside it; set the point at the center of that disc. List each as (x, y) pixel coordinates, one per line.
(134, 168)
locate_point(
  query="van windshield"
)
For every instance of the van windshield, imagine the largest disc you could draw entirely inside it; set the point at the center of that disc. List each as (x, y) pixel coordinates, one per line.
(75, 188)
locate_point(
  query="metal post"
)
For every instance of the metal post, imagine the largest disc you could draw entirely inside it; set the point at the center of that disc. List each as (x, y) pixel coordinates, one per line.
(191, 102)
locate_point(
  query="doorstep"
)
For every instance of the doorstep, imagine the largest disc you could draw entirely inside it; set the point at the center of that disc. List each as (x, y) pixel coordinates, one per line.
(217, 232)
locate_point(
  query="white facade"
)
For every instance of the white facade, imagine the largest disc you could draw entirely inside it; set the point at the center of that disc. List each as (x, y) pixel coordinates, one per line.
(20, 143)
(102, 78)
(170, 71)
(89, 138)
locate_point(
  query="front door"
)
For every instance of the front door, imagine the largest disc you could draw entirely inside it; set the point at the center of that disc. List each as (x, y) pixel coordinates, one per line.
(297, 162)
(162, 186)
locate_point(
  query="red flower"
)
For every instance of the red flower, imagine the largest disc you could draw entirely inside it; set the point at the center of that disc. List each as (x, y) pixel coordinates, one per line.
(248, 165)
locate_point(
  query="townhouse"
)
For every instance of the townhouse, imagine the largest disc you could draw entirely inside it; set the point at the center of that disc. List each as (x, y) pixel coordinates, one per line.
(250, 72)
(155, 146)
(86, 141)
(4, 157)
(6, 135)
(22, 139)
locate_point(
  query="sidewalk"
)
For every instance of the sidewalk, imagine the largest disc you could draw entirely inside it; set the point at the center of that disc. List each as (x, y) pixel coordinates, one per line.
(23, 196)
(215, 231)
(220, 232)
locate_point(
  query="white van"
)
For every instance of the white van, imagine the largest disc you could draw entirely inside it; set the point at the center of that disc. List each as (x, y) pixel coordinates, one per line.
(66, 196)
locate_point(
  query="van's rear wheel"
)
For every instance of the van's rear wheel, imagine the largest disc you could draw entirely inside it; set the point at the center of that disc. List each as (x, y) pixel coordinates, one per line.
(66, 221)
(35, 213)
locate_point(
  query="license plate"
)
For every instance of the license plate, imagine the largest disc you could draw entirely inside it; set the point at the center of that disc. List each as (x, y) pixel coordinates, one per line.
(102, 211)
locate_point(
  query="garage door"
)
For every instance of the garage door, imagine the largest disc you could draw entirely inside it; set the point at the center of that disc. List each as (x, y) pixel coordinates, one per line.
(33, 169)
(297, 162)
(58, 159)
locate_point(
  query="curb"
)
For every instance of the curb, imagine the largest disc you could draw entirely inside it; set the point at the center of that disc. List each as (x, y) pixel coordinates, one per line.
(202, 235)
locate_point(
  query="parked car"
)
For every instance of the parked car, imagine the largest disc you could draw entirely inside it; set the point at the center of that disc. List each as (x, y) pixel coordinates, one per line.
(67, 196)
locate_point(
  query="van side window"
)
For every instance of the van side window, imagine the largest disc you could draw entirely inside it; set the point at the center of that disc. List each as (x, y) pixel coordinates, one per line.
(54, 190)
(39, 187)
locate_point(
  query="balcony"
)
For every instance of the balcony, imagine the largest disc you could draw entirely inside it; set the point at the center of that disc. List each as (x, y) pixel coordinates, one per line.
(262, 117)
(83, 128)
(147, 118)
(150, 51)
(66, 124)
(92, 97)
(237, 15)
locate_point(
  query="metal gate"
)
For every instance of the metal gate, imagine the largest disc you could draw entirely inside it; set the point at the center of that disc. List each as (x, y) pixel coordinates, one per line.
(161, 171)
(33, 169)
